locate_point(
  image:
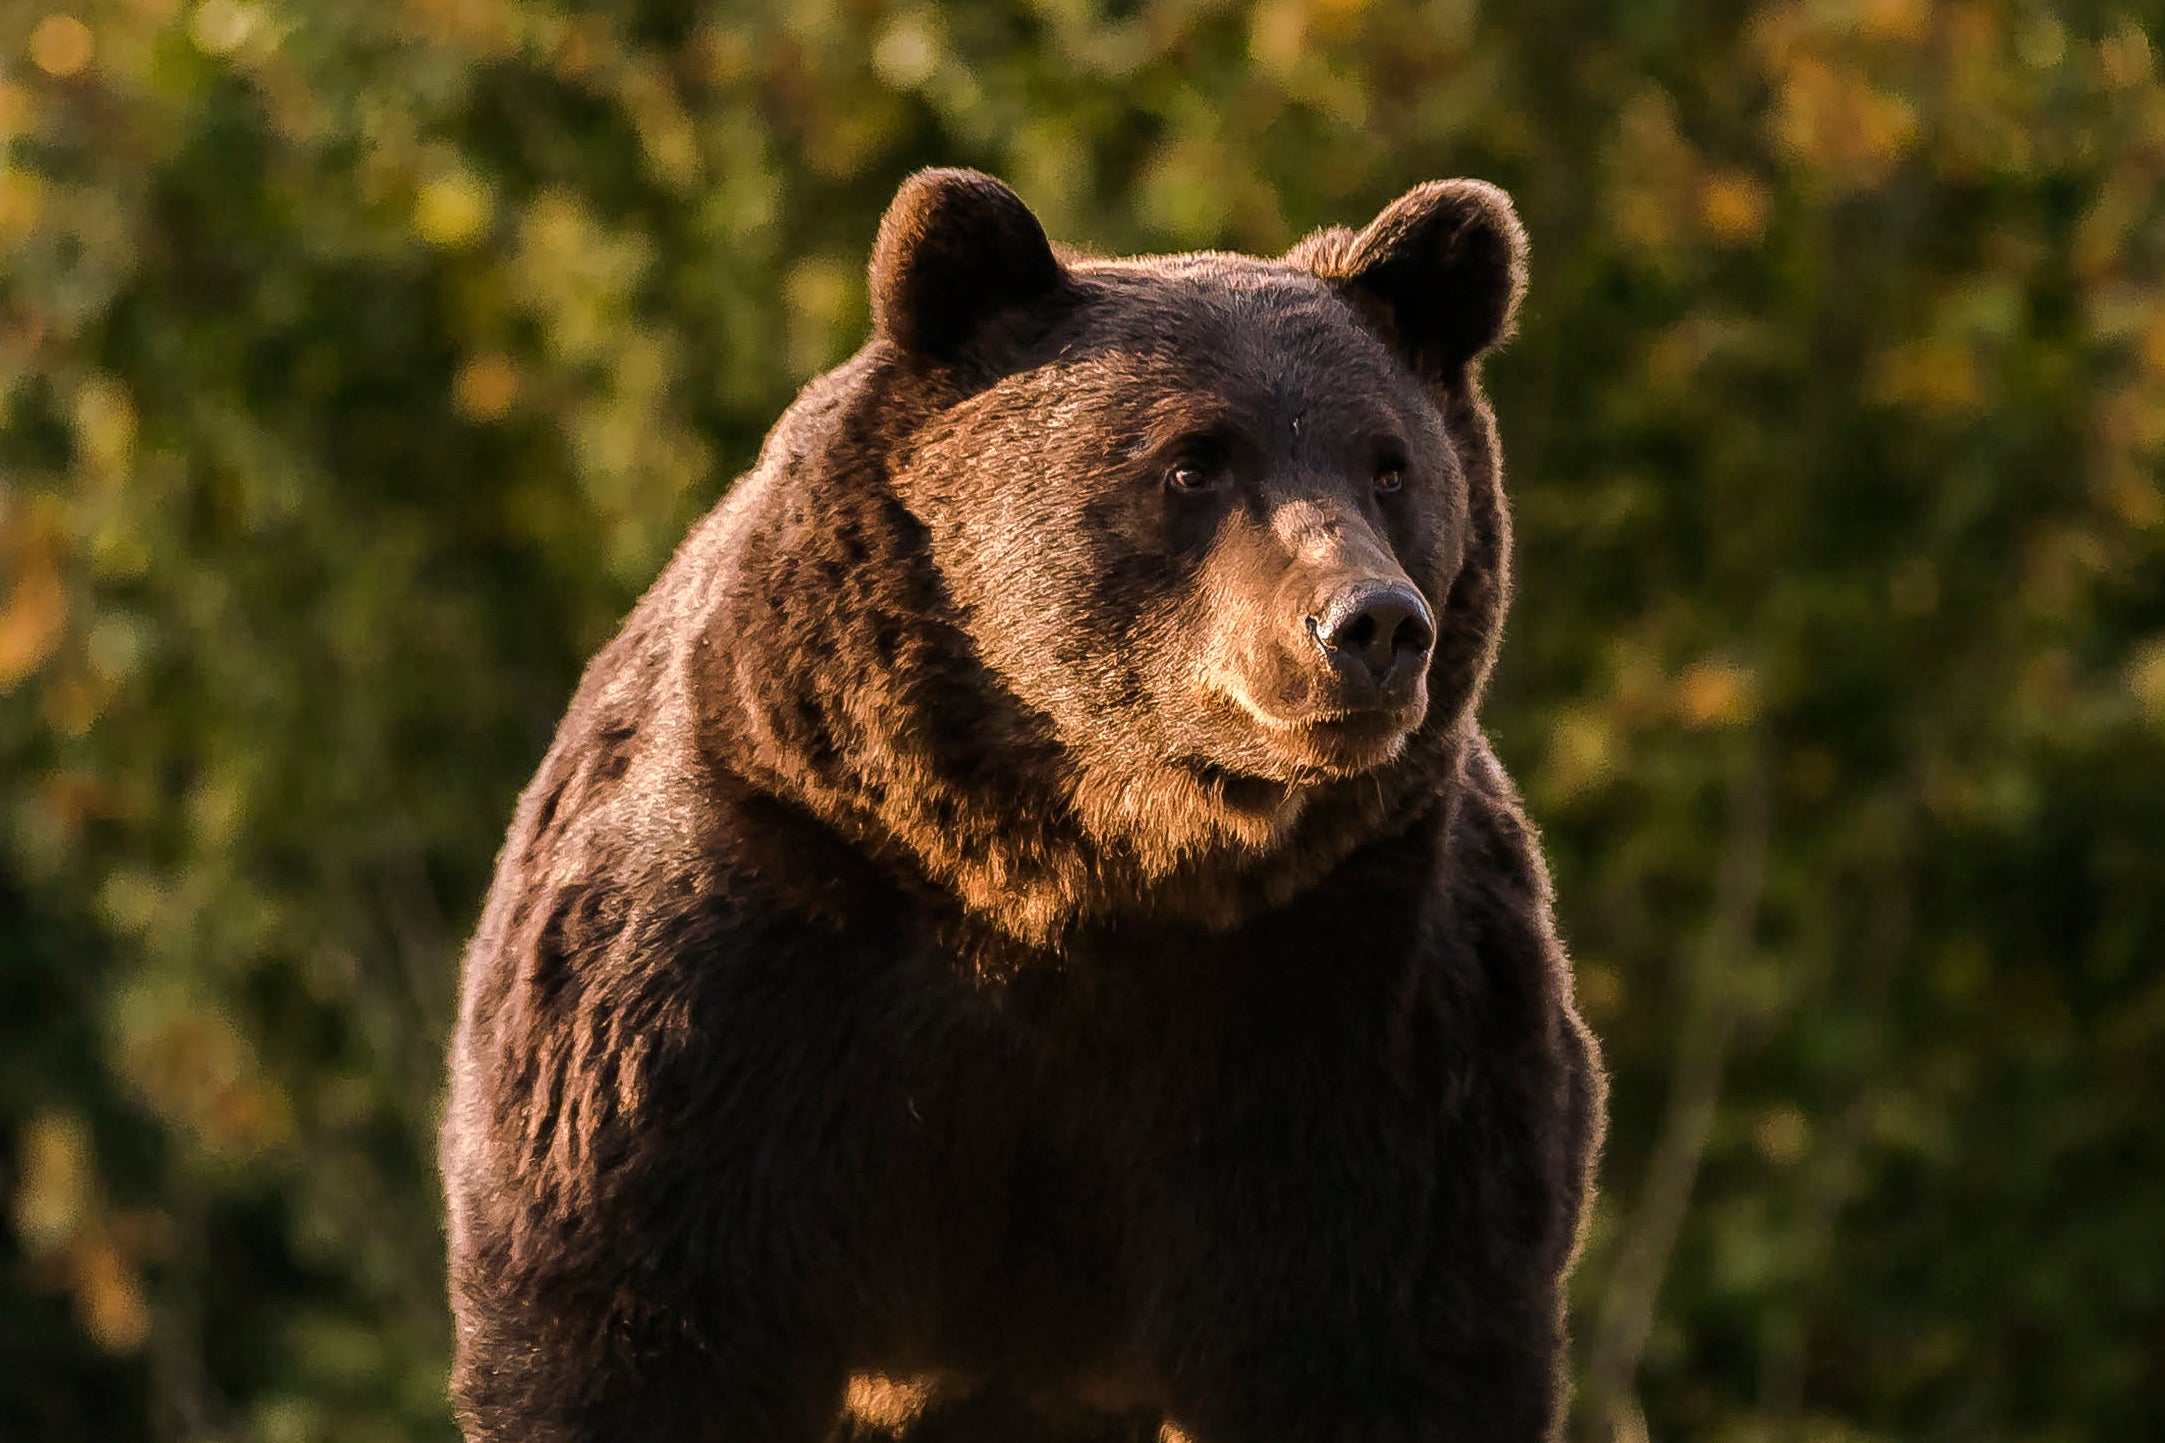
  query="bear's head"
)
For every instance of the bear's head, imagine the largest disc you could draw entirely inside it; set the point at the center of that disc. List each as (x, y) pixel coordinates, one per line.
(1151, 587)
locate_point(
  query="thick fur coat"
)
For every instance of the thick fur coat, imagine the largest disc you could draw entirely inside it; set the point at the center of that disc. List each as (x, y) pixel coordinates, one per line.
(1021, 935)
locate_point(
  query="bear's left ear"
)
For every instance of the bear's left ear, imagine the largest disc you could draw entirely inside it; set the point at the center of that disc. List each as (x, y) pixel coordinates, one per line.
(1445, 264)
(955, 249)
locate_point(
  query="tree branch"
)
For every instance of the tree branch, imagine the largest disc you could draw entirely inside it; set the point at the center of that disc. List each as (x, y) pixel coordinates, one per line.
(1714, 1008)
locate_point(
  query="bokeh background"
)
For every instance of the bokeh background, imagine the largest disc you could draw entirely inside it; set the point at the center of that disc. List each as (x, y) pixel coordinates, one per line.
(361, 360)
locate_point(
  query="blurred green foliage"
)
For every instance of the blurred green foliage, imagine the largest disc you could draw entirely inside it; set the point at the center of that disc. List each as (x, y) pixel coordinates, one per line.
(359, 362)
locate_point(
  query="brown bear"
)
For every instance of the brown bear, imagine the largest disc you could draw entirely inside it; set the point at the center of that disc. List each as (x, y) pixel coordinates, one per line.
(1021, 935)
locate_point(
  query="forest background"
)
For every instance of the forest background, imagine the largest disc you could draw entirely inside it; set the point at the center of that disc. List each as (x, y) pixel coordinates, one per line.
(360, 363)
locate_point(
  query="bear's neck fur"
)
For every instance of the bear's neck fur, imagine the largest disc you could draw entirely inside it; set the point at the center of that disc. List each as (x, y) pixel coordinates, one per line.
(828, 669)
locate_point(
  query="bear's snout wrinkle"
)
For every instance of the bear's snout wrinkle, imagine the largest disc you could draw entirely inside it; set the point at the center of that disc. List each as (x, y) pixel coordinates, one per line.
(1376, 634)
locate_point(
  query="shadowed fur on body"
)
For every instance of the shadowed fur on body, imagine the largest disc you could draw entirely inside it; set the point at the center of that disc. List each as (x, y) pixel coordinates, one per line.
(1020, 935)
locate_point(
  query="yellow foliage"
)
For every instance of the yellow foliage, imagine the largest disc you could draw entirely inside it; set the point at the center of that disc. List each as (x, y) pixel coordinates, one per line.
(2115, 211)
(34, 610)
(1654, 171)
(1907, 21)
(453, 210)
(1935, 376)
(1675, 357)
(21, 201)
(2152, 351)
(2060, 564)
(62, 46)
(1581, 755)
(481, 28)
(1837, 121)
(2146, 678)
(817, 292)
(1601, 991)
(1333, 22)
(723, 55)
(2042, 42)
(1278, 35)
(583, 46)
(2045, 685)
(15, 108)
(1713, 693)
(907, 51)
(105, 427)
(575, 275)
(194, 1068)
(667, 137)
(1783, 1135)
(60, 1221)
(72, 701)
(1638, 683)
(1186, 190)
(109, 1296)
(2124, 57)
(1733, 207)
(221, 27)
(56, 1182)
(2133, 494)
(2131, 419)
(486, 387)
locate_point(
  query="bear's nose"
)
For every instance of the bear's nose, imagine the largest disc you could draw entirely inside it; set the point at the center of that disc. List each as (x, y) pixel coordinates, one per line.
(1380, 628)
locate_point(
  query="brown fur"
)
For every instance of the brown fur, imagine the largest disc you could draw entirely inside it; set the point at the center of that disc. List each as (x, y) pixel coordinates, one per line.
(967, 889)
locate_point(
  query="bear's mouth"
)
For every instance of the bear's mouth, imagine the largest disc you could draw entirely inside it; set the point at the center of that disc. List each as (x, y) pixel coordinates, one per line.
(1315, 751)
(1334, 738)
(1352, 743)
(1337, 744)
(1240, 791)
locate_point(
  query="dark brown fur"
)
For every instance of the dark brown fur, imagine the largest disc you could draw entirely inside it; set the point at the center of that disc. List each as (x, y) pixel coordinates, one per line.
(967, 939)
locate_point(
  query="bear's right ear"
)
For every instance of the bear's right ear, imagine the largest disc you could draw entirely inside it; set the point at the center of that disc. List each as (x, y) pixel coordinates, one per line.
(955, 249)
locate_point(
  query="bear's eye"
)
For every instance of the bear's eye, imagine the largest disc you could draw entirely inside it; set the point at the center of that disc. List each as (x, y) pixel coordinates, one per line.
(1390, 478)
(1198, 461)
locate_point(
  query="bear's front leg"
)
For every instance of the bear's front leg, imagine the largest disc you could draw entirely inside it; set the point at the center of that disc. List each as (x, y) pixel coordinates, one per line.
(685, 1190)
(1367, 1244)
(555, 1361)
(1359, 1289)
(1500, 1389)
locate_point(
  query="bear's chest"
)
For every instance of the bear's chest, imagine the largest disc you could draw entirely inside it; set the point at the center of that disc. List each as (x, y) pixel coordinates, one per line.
(1097, 1115)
